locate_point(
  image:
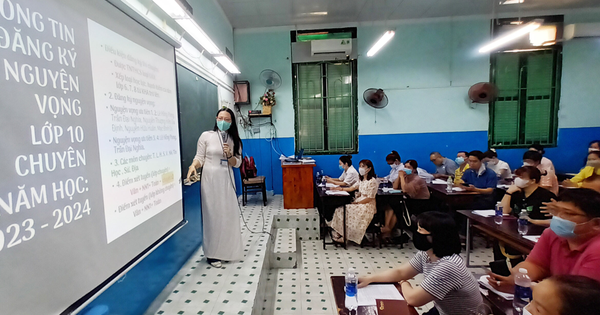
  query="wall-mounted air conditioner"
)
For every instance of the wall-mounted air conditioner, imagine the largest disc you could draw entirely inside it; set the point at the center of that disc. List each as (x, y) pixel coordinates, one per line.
(331, 46)
(580, 30)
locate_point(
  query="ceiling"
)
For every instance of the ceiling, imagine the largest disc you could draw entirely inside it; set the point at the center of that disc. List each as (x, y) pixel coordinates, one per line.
(264, 13)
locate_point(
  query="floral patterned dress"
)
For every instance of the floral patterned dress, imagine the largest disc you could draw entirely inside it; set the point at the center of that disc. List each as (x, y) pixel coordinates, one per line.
(358, 216)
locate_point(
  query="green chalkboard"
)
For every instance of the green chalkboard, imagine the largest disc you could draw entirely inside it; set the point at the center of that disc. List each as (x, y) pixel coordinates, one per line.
(198, 105)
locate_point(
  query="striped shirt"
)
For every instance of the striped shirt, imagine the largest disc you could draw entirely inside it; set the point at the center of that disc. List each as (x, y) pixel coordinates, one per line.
(453, 287)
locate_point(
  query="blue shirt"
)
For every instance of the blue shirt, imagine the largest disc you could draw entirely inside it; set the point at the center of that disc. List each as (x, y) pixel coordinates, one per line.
(487, 179)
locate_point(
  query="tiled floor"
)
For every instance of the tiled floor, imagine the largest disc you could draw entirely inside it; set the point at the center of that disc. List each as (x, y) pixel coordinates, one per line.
(305, 290)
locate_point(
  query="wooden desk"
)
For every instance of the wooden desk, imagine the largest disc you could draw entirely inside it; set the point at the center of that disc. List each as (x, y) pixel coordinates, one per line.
(454, 200)
(297, 185)
(338, 283)
(326, 204)
(506, 232)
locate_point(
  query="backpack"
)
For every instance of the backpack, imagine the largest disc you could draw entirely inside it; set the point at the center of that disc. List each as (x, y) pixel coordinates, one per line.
(248, 167)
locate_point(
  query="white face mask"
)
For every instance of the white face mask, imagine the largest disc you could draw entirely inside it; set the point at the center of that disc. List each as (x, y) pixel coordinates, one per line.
(521, 183)
(527, 164)
(492, 162)
(362, 171)
(592, 149)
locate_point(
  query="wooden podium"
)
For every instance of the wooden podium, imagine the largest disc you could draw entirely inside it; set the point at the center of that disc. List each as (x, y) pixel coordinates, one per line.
(297, 185)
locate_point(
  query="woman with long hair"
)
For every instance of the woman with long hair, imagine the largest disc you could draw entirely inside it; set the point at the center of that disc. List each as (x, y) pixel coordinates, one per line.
(218, 151)
(446, 280)
(361, 211)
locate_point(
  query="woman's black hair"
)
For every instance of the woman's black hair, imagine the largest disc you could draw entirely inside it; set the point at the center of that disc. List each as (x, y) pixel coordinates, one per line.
(393, 157)
(371, 173)
(412, 164)
(578, 295)
(538, 148)
(444, 233)
(531, 171)
(532, 155)
(594, 141)
(346, 159)
(490, 154)
(232, 131)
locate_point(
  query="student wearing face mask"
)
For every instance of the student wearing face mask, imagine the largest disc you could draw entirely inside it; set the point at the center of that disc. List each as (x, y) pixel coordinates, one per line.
(501, 168)
(463, 165)
(395, 163)
(549, 180)
(591, 169)
(526, 193)
(361, 211)
(571, 246)
(565, 295)
(594, 146)
(545, 162)
(349, 175)
(446, 280)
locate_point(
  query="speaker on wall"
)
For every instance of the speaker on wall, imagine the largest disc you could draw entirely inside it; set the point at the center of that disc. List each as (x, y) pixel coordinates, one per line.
(241, 92)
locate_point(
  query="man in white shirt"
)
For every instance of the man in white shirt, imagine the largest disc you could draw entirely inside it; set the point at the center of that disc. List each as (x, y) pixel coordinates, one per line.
(501, 168)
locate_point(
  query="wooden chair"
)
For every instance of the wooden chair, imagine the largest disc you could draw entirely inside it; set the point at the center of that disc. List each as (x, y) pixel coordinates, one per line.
(252, 185)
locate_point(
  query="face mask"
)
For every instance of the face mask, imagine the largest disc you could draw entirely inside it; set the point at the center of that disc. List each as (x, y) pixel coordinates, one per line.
(420, 241)
(393, 166)
(492, 162)
(223, 125)
(593, 163)
(407, 171)
(563, 228)
(527, 164)
(525, 310)
(521, 183)
(592, 149)
(459, 160)
(362, 171)
(342, 167)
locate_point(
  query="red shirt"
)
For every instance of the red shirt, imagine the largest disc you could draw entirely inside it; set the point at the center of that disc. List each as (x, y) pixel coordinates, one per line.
(553, 254)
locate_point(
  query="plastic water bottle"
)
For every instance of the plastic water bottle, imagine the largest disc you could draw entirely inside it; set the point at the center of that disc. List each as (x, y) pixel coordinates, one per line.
(523, 222)
(351, 290)
(522, 290)
(449, 184)
(499, 213)
(318, 177)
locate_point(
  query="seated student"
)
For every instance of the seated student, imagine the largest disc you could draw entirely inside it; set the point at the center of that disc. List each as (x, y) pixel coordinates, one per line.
(565, 295)
(444, 166)
(394, 161)
(546, 162)
(571, 246)
(361, 211)
(549, 179)
(424, 175)
(463, 165)
(526, 193)
(349, 175)
(501, 168)
(413, 185)
(479, 178)
(447, 281)
(594, 146)
(592, 167)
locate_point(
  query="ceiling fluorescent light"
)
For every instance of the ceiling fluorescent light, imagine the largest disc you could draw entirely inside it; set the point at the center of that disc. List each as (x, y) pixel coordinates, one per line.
(380, 43)
(227, 63)
(511, 2)
(318, 13)
(176, 11)
(543, 35)
(510, 36)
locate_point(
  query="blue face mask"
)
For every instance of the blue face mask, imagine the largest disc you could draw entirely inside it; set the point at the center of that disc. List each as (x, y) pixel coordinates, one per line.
(563, 228)
(223, 125)
(459, 160)
(342, 167)
(407, 171)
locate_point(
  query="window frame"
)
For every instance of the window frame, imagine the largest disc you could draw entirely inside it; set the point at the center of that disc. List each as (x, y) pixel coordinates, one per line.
(522, 100)
(324, 100)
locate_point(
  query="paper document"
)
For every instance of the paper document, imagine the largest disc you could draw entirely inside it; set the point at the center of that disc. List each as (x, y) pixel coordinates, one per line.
(484, 281)
(458, 189)
(502, 186)
(485, 213)
(533, 238)
(337, 193)
(368, 294)
(331, 185)
(439, 181)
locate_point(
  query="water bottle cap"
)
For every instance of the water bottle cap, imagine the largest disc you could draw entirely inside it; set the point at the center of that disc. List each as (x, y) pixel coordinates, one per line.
(523, 270)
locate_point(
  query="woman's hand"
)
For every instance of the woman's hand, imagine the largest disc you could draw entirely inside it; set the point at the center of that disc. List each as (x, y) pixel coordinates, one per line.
(513, 189)
(337, 188)
(568, 183)
(401, 173)
(227, 150)
(501, 283)
(191, 171)
(363, 282)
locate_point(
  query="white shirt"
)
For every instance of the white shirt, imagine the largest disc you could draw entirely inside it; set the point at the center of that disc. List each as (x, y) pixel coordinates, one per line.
(425, 175)
(350, 176)
(393, 175)
(502, 169)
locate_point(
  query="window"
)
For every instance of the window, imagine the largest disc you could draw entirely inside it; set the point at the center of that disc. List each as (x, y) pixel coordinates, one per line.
(525, 111)
(325, 105)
